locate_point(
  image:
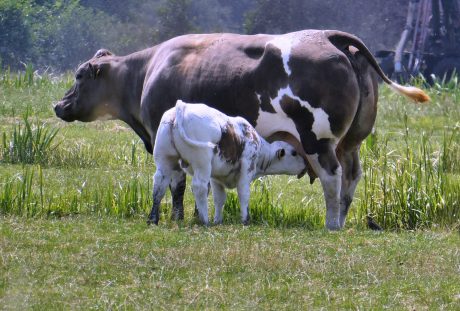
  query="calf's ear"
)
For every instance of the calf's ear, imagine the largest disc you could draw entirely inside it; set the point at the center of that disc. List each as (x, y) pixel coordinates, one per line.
(280, 153)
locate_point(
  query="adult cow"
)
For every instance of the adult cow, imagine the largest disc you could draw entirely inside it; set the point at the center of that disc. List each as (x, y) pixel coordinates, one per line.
(318, 85)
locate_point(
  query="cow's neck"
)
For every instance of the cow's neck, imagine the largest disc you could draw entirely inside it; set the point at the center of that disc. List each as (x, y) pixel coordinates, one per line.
(132, 70)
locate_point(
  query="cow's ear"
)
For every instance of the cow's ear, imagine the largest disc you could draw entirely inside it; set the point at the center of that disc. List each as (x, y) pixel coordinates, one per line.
(280, 153)
(96, 70)
(91, 71)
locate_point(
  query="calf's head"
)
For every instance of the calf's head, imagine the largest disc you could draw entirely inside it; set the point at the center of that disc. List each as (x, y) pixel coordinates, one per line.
(91, 96)
(284, 159)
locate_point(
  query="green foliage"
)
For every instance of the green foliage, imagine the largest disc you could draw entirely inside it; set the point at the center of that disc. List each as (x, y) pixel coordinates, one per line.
(265, 209)
(105, 263)
(174, 19)
(28, 143)
(411, 165)
(16, 34)
(414, 189)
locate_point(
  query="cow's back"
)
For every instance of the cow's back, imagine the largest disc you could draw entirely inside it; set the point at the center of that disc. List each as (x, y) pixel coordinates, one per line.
(242, 75)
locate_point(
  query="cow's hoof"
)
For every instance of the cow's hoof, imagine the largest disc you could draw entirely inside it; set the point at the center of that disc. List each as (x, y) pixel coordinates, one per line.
(152, 222)
(333, 226)
(177, 216)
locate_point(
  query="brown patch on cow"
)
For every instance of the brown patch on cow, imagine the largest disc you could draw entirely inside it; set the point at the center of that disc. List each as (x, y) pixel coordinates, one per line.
(230, 145)
(265, 103)
(250, 133)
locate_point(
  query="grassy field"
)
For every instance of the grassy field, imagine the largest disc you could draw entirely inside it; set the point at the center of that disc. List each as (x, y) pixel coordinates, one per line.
(74, 198)
(107, 263)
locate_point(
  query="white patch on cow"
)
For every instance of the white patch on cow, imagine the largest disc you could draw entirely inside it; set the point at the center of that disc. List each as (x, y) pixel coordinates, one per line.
(269, 123)
(284, 43)
(105, 117)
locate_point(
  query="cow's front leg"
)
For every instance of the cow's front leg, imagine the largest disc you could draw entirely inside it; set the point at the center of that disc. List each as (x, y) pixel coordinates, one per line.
(329, 171)
(219, 195)
(177, 187)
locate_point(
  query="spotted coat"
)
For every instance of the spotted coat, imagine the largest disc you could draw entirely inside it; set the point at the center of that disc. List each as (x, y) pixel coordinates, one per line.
(212, 147)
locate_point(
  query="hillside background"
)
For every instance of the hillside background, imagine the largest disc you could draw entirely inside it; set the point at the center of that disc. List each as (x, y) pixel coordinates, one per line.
(58, 35)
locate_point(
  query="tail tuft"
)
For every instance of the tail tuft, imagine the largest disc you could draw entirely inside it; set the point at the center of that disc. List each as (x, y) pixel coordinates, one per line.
(411, 92)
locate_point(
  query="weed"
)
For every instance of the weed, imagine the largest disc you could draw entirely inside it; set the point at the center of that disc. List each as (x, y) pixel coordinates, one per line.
(28, 143)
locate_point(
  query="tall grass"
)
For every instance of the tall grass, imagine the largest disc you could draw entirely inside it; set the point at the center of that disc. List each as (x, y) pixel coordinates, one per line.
(28, 143)
(266, 209)
(411, 165)
(31, 78)
(26, 194)
(416, 188)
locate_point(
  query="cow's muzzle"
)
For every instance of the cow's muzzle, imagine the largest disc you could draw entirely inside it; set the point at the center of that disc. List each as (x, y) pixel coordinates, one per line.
(62, 110)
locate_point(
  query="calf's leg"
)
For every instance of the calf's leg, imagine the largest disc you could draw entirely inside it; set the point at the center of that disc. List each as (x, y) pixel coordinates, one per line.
(243, 189)
(161, 181)
(200, 181)
(219, 195)
(177, 187)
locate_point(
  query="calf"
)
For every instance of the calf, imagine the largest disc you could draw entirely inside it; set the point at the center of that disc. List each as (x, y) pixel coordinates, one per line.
(216, 148)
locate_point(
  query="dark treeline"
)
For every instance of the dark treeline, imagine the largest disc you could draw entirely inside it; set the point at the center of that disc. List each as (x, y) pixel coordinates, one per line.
(61, 34)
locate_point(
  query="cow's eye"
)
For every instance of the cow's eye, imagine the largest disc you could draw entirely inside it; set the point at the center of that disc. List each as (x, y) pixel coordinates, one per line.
(294, 153)
(79, 76)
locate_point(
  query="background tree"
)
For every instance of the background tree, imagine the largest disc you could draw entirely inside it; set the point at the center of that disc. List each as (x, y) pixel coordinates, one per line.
(174, 18)
(15, 34)
(61, 34)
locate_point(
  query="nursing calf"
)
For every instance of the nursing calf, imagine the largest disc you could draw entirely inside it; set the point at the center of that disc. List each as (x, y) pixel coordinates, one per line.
(216, 148)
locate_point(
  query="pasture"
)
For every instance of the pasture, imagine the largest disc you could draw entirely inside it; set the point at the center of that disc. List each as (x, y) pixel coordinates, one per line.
(74, 200)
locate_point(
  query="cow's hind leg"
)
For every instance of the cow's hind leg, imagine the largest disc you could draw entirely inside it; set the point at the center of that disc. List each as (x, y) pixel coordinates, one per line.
(161, 181)
(329, 171)
(351, 175)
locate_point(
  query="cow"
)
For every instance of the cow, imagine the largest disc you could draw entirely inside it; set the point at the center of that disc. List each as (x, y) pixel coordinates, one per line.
(215, 148)
(320, 86)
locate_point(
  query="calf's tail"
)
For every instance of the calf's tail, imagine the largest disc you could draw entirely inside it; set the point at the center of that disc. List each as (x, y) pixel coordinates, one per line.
(179, 123)
(343, 40)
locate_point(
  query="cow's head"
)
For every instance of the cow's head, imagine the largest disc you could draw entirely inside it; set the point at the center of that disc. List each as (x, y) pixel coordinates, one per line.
(91, 96)
(284, 159)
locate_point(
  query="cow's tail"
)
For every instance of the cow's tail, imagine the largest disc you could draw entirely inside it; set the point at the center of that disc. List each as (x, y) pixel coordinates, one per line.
(179, 123)
(343, 40)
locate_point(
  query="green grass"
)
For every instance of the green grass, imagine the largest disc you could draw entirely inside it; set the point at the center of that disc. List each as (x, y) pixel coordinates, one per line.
(108, 263)
(411, 165)
(74, 200)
